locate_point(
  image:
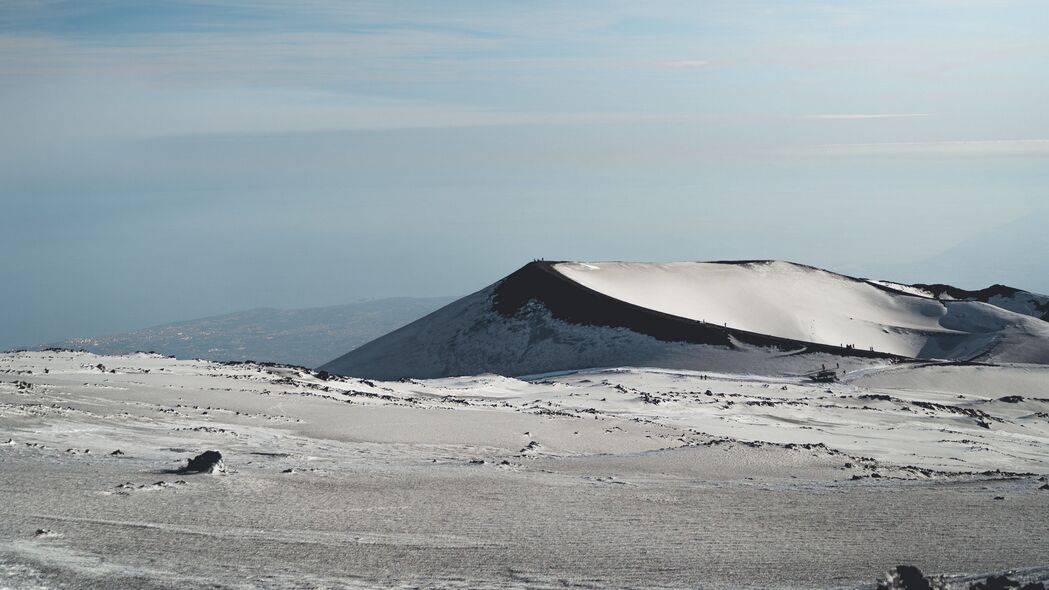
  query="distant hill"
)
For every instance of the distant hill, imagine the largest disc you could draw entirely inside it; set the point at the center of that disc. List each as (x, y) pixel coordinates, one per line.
(305, 337)
(760, 316)
(1012, 254)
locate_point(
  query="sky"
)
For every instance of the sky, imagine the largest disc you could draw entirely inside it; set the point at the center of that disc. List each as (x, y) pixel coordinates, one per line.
(162, 161)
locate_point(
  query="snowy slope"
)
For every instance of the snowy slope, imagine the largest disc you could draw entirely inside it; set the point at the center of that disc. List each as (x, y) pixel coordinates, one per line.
(804, 303)
(1005, 297)
(753, 316)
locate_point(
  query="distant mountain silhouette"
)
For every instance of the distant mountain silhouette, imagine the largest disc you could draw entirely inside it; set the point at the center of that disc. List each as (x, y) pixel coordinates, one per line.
(1016, 254)
(305, 337)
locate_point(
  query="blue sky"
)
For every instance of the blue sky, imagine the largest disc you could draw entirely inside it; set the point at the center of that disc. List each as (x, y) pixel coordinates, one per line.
(168, 160)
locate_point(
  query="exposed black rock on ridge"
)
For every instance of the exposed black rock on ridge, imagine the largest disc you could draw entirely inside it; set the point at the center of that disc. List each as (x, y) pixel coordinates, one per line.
(1002, 296)
(984, 295)
(574, 303)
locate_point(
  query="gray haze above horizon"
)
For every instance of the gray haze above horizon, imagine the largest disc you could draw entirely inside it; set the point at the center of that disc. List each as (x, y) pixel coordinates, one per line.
(167, 161)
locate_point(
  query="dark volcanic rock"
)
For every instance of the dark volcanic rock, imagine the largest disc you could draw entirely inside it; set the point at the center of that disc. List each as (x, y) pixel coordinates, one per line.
(911, 578)
(206, 462)
(1004, 582)
(574, 303)
(984, 295)
(906, 577)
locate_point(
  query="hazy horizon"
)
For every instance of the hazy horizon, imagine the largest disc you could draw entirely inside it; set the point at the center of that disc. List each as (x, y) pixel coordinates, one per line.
(168, 162)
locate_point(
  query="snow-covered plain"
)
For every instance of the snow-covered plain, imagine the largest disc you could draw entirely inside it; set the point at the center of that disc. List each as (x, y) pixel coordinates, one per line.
(626, 477)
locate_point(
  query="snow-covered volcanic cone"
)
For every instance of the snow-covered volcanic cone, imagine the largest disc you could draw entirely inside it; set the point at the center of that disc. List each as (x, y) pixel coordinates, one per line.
(766, 316)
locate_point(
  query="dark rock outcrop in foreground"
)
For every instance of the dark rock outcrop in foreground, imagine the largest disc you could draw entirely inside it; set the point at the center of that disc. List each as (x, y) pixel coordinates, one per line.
(909, 577)
(206, 462)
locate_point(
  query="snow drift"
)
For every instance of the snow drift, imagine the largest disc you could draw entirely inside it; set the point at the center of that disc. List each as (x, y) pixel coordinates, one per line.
(763, 316)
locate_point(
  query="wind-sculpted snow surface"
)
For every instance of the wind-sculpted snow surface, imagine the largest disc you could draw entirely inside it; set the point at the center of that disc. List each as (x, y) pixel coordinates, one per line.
(622, 477)
(812, 305)
(764, 316)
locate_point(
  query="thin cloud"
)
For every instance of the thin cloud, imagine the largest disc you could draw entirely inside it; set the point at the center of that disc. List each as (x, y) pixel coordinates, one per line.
(685, 64)
(852, 116)
(958, 148)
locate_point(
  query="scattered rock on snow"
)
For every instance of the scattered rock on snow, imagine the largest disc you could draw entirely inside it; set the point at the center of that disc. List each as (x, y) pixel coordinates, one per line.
(906, 577)
(1004, 582)
(206, 462)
